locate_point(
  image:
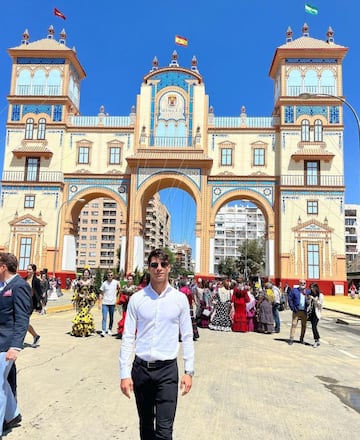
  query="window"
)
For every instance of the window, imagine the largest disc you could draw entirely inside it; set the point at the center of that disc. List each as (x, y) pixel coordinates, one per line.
(259, 156)
(318, 131)
(305, 130)
(312, 172)
(114, 155)
(32, 168)
(226, 156)
(313, 261)
(312, 207)
(94, 221)
(29, 201)
(25, 252)
(29, 128)
(41, 128)
(83, 155)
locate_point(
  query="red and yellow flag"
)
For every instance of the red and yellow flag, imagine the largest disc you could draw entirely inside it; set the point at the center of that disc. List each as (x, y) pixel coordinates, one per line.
(181, 41)
(59, 14)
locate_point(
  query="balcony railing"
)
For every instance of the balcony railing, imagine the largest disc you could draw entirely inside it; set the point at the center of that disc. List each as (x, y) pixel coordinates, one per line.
(22, 176)
(315, 90)
(324, 180)
(106, 121)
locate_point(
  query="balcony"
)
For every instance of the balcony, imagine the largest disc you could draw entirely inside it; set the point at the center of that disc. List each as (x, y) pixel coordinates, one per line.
(322, 180)
(44, 176)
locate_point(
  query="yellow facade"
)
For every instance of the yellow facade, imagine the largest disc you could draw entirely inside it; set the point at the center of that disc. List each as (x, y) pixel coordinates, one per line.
(289, 164)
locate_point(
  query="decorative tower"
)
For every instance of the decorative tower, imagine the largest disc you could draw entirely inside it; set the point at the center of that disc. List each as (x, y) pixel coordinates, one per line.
(307, 75)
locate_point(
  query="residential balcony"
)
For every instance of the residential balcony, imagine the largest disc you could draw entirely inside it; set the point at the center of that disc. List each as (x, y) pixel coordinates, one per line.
(322, 180)
(42, 176)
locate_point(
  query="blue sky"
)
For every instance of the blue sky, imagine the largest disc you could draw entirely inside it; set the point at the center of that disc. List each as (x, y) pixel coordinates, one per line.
(233, 40)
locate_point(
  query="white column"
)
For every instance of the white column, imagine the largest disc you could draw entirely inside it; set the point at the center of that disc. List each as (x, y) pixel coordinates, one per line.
(122, 253)
(138, 261)
(270, 259)
(68, 261)
(197, 254)
(211, 255)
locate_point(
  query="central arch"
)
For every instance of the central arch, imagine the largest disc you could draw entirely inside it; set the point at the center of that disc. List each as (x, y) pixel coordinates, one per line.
(137, 212)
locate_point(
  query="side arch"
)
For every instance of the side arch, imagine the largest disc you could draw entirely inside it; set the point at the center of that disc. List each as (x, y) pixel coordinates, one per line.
(269, 216)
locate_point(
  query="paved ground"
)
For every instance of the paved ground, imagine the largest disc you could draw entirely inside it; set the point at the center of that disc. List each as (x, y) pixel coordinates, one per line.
(246, 385)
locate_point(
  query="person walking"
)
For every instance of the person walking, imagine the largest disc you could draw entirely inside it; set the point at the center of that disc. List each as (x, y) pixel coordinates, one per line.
(156, 315)
(36, 293)
(298, 304)
(15, 310)
(317, 301)
(276, 306)
(107, 299)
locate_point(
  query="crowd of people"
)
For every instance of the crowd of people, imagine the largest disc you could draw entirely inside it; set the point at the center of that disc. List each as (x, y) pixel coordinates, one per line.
(219, 305)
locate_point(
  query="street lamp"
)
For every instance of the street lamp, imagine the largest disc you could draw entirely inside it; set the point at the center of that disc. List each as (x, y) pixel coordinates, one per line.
(57, 231)
(339, 98)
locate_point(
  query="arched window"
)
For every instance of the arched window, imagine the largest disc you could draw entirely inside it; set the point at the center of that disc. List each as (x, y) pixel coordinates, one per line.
(29, 128)
(318, 131)
(305, 130)
(39, 82)
(311, 82)
(294, 84)
(41, 128)
(23, 83)
(54, 83)
(327, 82)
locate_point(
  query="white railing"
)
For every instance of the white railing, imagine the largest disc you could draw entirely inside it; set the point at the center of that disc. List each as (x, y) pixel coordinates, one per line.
(21, 176)
(237, 122)
(106, 121)
(325, 180)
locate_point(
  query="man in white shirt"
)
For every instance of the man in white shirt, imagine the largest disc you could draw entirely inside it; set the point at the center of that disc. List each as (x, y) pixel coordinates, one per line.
(107, 300)
(156, 315)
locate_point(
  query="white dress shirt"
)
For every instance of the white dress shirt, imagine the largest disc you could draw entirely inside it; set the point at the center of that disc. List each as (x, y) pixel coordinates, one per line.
(152, 325)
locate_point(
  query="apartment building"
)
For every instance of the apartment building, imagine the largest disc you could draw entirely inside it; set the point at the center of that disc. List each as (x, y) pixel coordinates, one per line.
(352, 235)
(233, 225)
(183, 253)
(100, 235)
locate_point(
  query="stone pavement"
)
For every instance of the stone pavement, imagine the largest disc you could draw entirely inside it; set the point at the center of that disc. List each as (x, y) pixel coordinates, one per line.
(245, 386)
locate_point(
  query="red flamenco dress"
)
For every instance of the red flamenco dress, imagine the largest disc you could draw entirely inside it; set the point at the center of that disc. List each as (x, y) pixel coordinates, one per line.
(239, 299)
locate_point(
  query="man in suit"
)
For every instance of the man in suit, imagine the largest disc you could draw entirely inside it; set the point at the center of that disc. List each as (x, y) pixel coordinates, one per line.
(298, 302)
(15, 309)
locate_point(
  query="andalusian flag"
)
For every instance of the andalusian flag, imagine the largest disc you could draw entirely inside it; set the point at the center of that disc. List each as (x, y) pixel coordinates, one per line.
(181, 41)
(311, 9)
(59, 14)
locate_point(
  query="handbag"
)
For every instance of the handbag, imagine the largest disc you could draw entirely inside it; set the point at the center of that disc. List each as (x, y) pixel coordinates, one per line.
(309, 310)
(206, 313)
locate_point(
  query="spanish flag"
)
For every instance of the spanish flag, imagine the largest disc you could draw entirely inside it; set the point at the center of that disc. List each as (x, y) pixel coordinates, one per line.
(59, 14)
(181, 41)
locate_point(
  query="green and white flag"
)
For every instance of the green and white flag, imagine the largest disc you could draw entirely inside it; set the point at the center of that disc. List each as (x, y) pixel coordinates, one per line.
(311, 9)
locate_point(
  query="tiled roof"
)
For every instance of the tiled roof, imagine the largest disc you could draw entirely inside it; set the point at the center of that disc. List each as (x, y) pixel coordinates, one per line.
(309, 43)
(44, 44)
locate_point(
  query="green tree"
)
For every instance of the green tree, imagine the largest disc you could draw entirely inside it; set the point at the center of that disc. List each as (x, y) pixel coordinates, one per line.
(98, 280)
(252, 257)
(227, 267)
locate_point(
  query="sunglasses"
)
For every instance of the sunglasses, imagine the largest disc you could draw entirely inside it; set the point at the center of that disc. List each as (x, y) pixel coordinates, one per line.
(155, 265)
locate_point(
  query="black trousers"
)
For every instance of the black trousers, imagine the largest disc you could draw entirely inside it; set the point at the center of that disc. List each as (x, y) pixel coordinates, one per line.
(156, 392)
(314, 322)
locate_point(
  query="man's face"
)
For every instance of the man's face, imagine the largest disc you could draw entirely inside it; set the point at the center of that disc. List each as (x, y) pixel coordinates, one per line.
(302, 284)
(159, 269)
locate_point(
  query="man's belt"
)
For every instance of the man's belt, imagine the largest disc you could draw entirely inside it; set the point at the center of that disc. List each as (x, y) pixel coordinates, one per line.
(153, 365)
